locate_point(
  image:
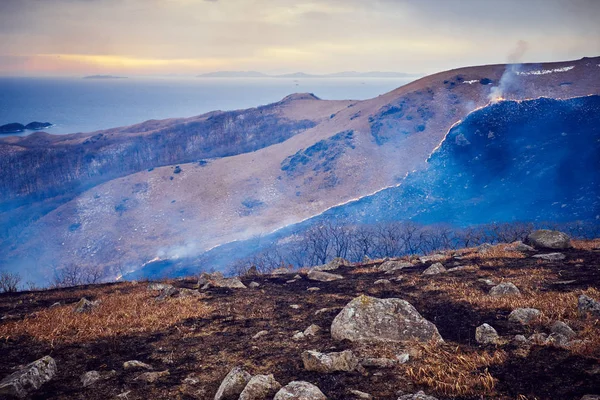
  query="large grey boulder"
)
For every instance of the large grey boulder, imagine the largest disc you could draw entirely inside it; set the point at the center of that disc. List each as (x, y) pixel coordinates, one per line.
(330, 362)
(546, 239)
(370, 319)
(504, 289)
(260, 387)
(587, 305)
(323, 276)
(524, 315)
(332, 265)
(390, 266)
(29, 378)
(300, 390)
(417, 396)
(219, 282)
(233, 385)
(435, 269)
(486, 334)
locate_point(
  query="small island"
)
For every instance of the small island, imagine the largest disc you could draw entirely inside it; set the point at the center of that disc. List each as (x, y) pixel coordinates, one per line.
(104, 77)
(16, 127)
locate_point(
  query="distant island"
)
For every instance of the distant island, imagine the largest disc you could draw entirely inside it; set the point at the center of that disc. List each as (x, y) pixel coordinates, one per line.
(104, 77)
(296, 75)
(16, 127)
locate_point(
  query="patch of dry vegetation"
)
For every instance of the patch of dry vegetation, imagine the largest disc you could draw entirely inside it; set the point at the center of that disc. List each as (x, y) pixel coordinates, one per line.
(118, 314)
(593, 244)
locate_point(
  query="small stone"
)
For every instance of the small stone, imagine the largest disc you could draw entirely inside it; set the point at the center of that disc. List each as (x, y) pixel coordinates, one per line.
(488, 282)
(295, 306)
(435, 257)
(391, 266)
(330, 362)
(151, 377)
(135, 364)
(434, 269)
(383, 282)
(297, 277)
(557, 339)
(253, 285)
(300, 390)
(313, 289)
(260, 387)
(561, 328)
(323, 276)
(519, 246)
(260, 334)
(378, 362)
(484, 248)
(168, 291)
(312, 330)
(417, 396)
(360, 395)
(520, 340)
(326, 310)
(504, 289)
(85, 306)
(486, 334)
(551, 256)
(290, 281)
(299, 336)
(538, 338)
(403, 358)
(524, 315)
(89, 378)
(587, 305)
(233, 384)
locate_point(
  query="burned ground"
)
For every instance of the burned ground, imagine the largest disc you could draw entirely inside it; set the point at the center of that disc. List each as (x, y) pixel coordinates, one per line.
(204, 336)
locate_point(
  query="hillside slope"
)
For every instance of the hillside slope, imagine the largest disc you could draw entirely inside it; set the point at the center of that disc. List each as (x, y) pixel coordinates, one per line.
(354, 149)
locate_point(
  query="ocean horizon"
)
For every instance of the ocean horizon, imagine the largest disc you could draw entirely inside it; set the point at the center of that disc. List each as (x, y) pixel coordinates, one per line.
(76, 105)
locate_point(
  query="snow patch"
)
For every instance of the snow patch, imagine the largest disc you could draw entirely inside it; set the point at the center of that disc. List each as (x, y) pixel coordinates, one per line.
(545, 71)
(472, 82)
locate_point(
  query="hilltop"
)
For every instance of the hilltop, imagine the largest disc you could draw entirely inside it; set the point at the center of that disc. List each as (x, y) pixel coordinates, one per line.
(181, 338)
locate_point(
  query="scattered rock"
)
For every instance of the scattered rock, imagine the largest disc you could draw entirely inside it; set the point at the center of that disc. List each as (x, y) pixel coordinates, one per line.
(378, 362)
(590, 397)
(383, 282)
(459, 268)
(417, 396)
(551, 256)
(313, 289)
(157, 286)
(151, 377)
(539, 338)
(326, 310)
(557, 339)
(546, 239)
(403, 358)
(524, 315)
(260, 334)
(167, 292)
(233, 385)
(332, 265)
(281, 271)
(504, 289)
(323, 276)
(360, 395)
(520, 340)
(295, 306)
(260, 387)
(299, 336)
(518, 246)
(370, 319)
(486, 334)
(587, 305)
(300, 390)
(183, 292)
(230, 283)
(291, 281)
(561, 328)
(297, 277)
(434, 269)
(484, 248)
(312, 330)
(391, 266)
(253, 285)
(85, 306)
(434, 257)
(89, 378)
(29, 378)
(488, 282)
(330, 362)
(135, 364)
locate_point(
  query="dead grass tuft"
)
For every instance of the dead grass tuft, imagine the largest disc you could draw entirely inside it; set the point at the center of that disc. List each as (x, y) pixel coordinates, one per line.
(586, 244)
(118, 314)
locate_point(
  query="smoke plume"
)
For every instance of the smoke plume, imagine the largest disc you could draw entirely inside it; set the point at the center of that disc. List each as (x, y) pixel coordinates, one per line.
(509, 77)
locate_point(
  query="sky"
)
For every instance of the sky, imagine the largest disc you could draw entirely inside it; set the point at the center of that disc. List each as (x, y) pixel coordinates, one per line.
(188, 37)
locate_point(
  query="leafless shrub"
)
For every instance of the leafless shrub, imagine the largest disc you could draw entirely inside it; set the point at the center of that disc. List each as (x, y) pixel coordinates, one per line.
(75, 274)
(9, 282)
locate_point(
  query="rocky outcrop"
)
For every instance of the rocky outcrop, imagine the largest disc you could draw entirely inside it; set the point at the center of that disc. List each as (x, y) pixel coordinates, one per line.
(390, 266)
(588, 306)
(486, 334)
(29, 378)
(524, 315)
(330, 362)
(323, 276)
(260, 387)
(300, 390)
(505, 289)
(435, 269)
(547, 239)
(370, 319)
(233, 385)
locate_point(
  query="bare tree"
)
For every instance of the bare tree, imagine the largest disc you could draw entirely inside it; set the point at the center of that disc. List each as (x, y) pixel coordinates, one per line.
(75, 274)
(9, 282)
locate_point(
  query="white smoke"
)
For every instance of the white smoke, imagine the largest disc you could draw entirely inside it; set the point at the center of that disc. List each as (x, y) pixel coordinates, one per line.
(509, 77)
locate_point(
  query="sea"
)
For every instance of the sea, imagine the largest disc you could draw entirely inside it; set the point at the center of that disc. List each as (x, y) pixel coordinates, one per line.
(86, 105)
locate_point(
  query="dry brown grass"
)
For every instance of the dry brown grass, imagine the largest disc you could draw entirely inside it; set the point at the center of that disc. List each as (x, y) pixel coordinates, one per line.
(118, 314)
(586, 244)
(497, 251)
(452, 371)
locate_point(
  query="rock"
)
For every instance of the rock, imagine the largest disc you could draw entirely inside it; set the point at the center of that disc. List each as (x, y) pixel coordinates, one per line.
(370, 319)
(158, 286)
(217, 280)
(29, 378)
(183, 292)
(291, 281)
(518, 246)
(233, 385)
(486, 334)
(253, 285)
(330, 362)
(89, 378)
(323, 276)
(504, 289)
(557, 339)
(326, 310)
(295, 306)
(391, 266)
(520, 341)
(299, 336)
(484, 248)
(561, 328)
(382, 282)
(85, 306)
(332, 265)
(260, 387)
(538, 338)
(378, 362)
(403, 358)
(488, 282)
(587, 305)
(524, 315)
(434, 269)
(458, 268)
(313, 289)
(297, 277)
(260, 334)
(434, 257)
(312, 330)
(167, 292)
(300, 390)
(551, 256)
(360, 395)
(281, 271)
(151, 377)
(135, 364)
(590, 397)
(546, 239)
(417, 396)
